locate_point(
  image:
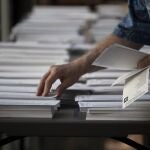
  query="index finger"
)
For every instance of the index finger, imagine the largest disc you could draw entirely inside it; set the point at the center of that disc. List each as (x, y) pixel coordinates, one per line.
(48, 83)
(41, 84)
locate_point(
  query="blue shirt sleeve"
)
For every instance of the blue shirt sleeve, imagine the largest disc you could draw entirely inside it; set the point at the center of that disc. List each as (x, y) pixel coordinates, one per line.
(134, 27)
(125, 29)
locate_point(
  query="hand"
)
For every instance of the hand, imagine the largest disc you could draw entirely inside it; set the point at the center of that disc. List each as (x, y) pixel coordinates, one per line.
(68, 75)
(144, 62)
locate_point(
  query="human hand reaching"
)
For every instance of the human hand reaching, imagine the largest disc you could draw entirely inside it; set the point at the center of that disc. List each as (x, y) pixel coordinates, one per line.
(68, 75)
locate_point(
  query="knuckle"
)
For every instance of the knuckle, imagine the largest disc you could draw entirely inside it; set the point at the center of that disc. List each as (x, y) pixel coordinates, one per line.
(55, 70)
(53, 66)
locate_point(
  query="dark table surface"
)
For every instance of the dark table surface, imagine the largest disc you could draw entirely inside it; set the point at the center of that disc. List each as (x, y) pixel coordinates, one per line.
(69, 122)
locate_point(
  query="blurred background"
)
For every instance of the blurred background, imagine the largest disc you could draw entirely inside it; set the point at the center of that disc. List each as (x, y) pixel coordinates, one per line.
(12, 11)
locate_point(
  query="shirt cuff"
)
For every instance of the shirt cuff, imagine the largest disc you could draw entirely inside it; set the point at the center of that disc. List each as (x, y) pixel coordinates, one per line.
(132, 35)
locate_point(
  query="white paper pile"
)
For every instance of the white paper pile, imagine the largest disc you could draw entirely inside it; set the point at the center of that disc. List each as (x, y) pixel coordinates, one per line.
(22, 66)
(53, 25)
(42, 40)
(28, 108)
(109, 17)
(112, 11)
(108, 107)
(115, 115)
(124, 58)
(102, 28)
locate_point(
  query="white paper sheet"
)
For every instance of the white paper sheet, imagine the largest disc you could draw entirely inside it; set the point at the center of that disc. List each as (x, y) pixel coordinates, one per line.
(106, 98)
(103, 75)
(128, 75)
(94, 98)
(9, 102)
(135, 87)
(120, 116)
(27, 96)
(21, 82)
(119, 57)
(21, 75)
(84, 106)
(100, 82)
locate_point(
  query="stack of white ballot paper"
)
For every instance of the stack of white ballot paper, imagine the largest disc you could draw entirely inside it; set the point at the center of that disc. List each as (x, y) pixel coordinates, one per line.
(108, 107)
(45, 25)
(124, 58)
(106, 26)
(21, 68)
(112, 11)
(27, 106)
(41, 40)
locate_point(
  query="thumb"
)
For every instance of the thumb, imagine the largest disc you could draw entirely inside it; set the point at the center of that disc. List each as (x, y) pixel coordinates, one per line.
(65, 84)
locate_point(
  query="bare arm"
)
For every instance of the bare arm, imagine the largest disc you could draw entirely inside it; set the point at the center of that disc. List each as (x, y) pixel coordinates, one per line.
(88, 58)
(70, 73)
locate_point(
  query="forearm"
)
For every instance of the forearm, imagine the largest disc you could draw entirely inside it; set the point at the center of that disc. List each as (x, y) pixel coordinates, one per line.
(86, 60)
(70, 73)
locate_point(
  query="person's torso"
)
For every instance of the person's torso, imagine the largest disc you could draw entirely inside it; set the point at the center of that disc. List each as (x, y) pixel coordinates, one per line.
(139, 10)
